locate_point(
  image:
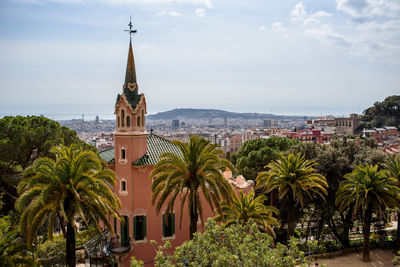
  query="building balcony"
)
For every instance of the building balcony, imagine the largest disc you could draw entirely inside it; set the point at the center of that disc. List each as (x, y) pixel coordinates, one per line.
(117, 248)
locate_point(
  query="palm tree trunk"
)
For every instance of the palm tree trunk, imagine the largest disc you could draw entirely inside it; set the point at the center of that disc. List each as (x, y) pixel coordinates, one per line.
(70, 246)
(398, 231)
(193, 219)
(291, 220)
(366, 231)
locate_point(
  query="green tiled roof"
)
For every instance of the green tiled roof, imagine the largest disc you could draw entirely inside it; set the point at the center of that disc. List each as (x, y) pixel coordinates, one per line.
(132, 96)
(156, 145)
(107, 155)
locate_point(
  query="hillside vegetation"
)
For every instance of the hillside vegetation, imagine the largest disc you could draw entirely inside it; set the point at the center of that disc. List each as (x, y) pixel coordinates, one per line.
(385, 113)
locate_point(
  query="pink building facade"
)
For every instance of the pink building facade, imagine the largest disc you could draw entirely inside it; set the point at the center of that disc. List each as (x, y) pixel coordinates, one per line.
(133, 157)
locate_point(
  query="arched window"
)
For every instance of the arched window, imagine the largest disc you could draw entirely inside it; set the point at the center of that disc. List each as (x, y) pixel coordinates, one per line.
(128, 121)
(138, 121)
(118, 121)
(142, 117)
(123, 117)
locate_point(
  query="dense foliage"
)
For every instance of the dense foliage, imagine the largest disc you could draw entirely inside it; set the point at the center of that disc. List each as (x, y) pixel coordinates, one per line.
(333, 162)
(197, 170)
(294, 179)
(254, 155)
(237, 245)
(23, 140)
(51, 252)
(367, 190)
(385, 113)
(393, 166)
(247, 207)
(13, 252)
(76, 183)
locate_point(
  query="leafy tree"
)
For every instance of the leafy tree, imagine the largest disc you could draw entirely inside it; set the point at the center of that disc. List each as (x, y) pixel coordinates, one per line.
(22, 140)
(385, 113)
(246, 207)
(237, 245)
(333, 162)
(254, 155)
(294, 177)
(197, 170)
(368, 190)
(77, 182)
(393, 165)
(13, 251)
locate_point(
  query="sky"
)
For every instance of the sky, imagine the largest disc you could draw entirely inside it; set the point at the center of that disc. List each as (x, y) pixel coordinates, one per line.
(307, 57)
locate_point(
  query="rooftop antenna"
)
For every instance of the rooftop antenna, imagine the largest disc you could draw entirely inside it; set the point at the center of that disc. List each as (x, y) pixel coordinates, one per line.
(131, 32)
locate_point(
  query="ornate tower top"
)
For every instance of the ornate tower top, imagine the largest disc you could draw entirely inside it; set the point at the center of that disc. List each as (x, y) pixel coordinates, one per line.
(130, 88)
(130, 106)
(130, 76)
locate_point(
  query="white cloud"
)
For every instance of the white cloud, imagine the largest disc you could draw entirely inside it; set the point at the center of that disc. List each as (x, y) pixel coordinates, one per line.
(206, 3)
(362, 10)
(299, 13)
(326, 34)
(278, 27)
(200, 12)
(320, 14)
(262, 28)
(169, 13)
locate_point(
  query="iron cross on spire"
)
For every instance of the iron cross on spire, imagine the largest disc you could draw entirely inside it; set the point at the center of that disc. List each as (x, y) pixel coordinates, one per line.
(130, 28)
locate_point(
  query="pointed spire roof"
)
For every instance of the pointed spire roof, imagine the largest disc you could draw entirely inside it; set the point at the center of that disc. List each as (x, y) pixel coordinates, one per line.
(130, 75)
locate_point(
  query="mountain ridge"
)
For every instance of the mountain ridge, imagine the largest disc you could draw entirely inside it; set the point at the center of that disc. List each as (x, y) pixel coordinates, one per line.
(192, 113)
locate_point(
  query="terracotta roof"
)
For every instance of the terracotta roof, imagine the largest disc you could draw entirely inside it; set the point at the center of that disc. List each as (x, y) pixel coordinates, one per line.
(156, 145)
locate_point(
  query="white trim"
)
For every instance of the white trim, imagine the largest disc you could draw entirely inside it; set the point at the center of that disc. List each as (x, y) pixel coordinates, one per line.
(123, 192)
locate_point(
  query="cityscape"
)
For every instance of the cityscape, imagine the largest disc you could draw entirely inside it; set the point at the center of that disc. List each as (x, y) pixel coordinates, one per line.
(231, 133)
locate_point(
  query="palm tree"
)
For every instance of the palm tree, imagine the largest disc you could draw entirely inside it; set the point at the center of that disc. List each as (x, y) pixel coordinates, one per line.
(370, 190)
(294, 177)
(198, 169)
(13, 252)
(76, 183)
(393, 166)
(246, 207)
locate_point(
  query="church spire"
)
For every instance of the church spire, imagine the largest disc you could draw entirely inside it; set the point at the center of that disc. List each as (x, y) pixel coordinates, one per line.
(130, 75)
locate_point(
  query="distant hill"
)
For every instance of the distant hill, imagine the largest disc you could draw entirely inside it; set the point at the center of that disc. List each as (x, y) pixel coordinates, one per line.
(191, 113)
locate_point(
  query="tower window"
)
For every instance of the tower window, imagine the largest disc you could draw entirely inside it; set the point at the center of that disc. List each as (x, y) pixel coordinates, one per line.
(138, 121)
(128, 121)
(139, 227)
(142, 117)
(123, 185)
(123, 118)
(123, 153)
(125, 231)
(168, 224)
(118, 122)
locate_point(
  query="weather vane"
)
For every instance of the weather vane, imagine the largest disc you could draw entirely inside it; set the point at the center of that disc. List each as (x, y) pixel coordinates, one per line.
(130, 28)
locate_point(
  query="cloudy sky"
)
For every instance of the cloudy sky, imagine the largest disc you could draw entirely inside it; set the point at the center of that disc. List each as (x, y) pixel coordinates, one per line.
(285, 57)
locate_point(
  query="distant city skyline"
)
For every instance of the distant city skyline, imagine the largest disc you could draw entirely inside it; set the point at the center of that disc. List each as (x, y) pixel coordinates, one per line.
(308, 58)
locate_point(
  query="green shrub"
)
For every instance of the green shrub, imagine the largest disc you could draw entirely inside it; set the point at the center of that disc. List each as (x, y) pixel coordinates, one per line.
(51, 252)
(236, 245)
